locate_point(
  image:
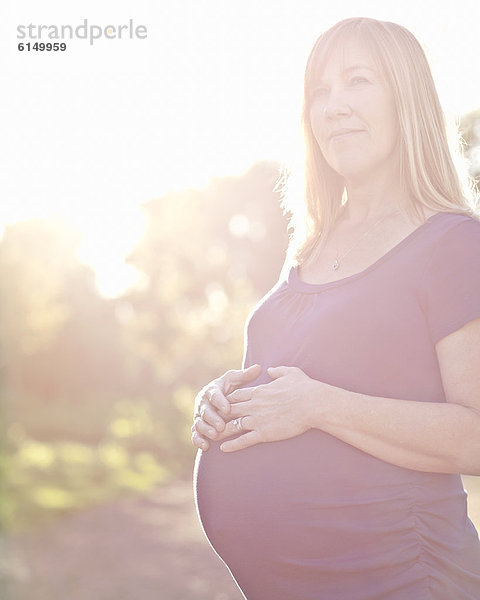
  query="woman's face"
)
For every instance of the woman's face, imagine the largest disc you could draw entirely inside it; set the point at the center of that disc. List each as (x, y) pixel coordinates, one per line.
(353, 116)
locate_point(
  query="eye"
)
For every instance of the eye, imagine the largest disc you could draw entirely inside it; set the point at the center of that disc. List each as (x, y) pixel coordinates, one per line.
(357, 80)
(320, 90)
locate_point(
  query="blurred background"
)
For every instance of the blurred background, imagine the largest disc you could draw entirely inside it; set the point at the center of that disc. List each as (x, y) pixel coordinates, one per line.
(139, 226)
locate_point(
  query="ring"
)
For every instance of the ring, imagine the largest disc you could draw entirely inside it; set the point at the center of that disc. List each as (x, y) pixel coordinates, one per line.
(238, 423)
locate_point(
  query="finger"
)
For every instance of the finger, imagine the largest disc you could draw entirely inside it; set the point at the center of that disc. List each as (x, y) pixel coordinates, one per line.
(200, 442)
(228, 433)
(241, 376)
(201, 431)
(276, 372)
(243, 441)
(240, 409)
(241, 395)
(204, 429)
(217, 399)
(232, 428)
(211, 417)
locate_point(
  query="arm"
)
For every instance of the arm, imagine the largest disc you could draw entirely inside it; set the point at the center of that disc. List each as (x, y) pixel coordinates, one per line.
(437, 437)
(425, 436)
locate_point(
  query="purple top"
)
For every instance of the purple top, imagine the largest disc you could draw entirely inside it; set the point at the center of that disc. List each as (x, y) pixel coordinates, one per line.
(313, 517)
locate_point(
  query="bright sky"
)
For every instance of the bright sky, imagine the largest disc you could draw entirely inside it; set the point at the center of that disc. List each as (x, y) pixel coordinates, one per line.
(90, 134)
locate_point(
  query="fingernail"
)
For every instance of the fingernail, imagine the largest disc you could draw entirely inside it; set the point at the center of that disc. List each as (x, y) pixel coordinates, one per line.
(212, 432)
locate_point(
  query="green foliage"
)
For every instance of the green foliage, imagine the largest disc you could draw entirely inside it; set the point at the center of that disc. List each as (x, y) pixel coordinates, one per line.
(43, 480)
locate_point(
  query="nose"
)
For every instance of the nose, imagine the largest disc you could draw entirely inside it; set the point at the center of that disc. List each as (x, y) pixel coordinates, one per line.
(336, 105)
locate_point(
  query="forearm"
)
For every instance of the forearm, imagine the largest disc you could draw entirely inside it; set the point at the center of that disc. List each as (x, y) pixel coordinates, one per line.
(424, 436)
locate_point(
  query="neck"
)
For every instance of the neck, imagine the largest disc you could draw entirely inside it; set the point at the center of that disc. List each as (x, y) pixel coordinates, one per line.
(363, 209)
(369, 201)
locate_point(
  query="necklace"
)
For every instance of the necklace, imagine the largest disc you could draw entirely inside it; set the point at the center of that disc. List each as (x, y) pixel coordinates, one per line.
(336, 264)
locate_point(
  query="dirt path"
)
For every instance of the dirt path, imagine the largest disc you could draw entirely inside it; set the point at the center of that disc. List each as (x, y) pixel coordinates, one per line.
(149, 548)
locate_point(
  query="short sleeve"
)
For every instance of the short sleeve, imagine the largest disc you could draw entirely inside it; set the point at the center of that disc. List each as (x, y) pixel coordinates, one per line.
(452, 279)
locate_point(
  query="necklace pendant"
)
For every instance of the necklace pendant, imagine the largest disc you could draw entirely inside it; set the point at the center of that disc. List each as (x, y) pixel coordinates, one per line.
(336, 265)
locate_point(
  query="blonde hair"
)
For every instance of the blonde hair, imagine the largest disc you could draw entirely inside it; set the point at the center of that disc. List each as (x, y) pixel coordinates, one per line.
(430, 177)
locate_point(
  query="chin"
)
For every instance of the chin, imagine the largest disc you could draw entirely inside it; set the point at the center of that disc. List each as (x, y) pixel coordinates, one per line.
(351, 173)
(357, 169)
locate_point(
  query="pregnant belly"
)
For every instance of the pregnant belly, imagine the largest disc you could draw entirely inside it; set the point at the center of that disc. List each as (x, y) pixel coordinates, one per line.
(305, 497)
(289, 516)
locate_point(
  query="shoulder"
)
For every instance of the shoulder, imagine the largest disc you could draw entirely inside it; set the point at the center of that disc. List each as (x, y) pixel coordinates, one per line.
(456, 223)
(452, 235)
(451, 280)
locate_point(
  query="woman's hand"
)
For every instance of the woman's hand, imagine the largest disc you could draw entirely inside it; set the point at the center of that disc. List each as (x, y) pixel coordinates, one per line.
(212, 409)
(274, 411)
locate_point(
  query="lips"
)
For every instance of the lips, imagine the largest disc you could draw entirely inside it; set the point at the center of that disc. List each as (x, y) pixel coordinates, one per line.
(343, 133)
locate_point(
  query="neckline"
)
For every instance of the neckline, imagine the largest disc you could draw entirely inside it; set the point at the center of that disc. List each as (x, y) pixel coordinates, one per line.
(299, 285)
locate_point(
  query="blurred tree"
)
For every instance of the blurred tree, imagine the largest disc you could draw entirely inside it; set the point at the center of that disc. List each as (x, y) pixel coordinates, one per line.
(32, 266)
(120, 375)
(208, 256)
(59, 340)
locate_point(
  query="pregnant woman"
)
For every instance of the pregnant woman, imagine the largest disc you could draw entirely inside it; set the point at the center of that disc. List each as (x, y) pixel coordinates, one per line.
(329, 466)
